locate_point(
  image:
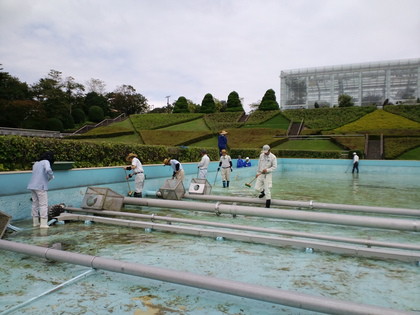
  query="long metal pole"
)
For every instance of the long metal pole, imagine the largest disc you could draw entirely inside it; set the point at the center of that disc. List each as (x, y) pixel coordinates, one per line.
(256, 292)
(344, 219)
(407, 256)
(310, 204)
(56, 288)
(153, 217)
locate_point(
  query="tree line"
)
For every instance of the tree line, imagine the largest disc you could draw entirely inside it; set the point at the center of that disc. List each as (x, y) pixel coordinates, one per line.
(61, 103)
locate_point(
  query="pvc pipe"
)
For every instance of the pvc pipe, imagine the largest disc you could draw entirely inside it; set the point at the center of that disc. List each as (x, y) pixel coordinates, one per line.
(406, 256)
(256, 292)
(153, 217)
(344, 219)
(77, 278)
(310, 204)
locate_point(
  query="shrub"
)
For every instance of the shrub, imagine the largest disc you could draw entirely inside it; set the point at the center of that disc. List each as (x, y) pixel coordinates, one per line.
(96, 114)
(345, 100)
(208, 105)
(18, 153)
(268, 101)
(79, 116)
(233, 103)
(54, 124)
(181, 105)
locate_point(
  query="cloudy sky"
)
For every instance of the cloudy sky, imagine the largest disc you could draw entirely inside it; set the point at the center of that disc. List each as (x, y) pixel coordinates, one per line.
(193, 47)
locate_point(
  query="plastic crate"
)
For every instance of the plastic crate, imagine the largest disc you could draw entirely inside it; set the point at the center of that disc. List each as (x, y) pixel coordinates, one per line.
(172, 189)
(199, 186)
(4, 222)
(100, 198)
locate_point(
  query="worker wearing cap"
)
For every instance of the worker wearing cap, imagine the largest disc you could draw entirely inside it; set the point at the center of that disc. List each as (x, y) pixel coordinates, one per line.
(225, 163)
(178, 170)
(203, 165)
(267, 164)
(355, 162)
(247, 162)
(137, 170)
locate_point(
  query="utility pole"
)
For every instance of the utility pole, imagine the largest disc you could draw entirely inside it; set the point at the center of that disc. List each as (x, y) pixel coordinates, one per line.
(167, 100)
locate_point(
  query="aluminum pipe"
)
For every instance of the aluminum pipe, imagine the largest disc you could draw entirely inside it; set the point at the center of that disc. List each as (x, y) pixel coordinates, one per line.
(309, 204)
(153, 217)
(406, 256)
(344, 219)
(256, 292)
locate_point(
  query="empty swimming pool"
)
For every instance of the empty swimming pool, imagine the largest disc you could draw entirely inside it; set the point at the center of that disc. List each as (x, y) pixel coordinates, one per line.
(386, 283)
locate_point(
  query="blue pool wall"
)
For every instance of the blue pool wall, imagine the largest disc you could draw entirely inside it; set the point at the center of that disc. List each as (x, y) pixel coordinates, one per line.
(69, 186)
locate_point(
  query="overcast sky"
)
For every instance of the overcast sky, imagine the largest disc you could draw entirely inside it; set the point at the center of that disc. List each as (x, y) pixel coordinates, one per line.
(193, 47)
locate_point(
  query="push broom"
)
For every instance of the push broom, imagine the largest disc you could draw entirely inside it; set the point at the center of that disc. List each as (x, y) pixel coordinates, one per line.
(249, 184)
(130, 193)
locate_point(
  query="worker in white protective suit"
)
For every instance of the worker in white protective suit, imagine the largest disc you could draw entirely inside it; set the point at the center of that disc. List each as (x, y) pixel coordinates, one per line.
(38, 184)
(267, 164)
(203, 165)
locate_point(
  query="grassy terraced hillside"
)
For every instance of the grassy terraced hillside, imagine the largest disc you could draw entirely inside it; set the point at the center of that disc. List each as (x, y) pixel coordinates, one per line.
(156, 121)
(193, 125)
(278, 121)
(327, 118)
(198, 130)
(381, 122)
(408, 111)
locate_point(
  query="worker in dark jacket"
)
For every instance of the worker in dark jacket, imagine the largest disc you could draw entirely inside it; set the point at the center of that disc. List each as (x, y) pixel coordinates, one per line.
(240, 163)
(222, 141)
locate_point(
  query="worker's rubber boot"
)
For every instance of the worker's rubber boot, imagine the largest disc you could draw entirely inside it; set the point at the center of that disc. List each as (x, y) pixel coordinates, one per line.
(224, 184)
(262, 194)
(44, 223)
(35, 221)
(227, 184)
(268, 203)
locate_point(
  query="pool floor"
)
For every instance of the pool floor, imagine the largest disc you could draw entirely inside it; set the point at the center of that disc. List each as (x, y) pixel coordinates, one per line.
(390, 284)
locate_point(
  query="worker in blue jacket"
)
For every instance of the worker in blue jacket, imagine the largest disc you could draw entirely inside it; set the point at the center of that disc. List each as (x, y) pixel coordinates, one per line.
(247, 162)
(222, 141)
(240, 163)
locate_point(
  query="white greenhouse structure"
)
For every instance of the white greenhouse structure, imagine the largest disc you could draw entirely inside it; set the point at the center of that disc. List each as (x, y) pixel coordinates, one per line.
(372, 83)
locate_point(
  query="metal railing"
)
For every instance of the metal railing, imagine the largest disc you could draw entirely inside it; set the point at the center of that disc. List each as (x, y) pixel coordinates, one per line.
(104, 122)
(5, 131)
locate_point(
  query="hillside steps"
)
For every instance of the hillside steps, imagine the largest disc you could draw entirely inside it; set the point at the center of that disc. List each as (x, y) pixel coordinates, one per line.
(104, 122)
(243, 118)
(295, 128)
(374, 147)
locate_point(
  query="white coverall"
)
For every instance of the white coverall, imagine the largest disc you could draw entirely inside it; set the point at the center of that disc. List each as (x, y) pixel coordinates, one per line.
(139, 173)
(264, 182)
(203, 165)
(38, 184)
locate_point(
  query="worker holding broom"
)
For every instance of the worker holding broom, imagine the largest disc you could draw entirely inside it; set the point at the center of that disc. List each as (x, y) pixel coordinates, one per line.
(138, 172)
(267, 164)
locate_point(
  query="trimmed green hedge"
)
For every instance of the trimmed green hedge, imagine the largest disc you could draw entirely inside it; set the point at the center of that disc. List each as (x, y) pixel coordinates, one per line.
(18, 153)
(304, 154)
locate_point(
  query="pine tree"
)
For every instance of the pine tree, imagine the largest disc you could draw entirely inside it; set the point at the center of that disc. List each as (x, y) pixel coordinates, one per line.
(269, 101)
(233, 103)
